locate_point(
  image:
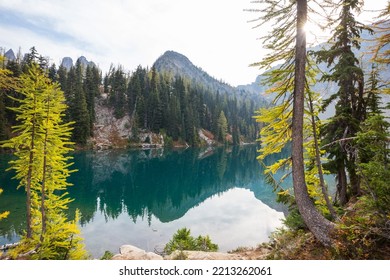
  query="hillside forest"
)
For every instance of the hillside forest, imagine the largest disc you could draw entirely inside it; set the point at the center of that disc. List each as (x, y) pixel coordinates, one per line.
(155, 101)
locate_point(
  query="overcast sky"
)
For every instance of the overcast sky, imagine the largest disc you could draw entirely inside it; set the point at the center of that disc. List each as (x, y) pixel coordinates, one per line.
(214, 34)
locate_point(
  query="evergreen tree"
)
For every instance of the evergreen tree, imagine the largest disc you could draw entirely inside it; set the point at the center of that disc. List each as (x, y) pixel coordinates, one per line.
(91, 88)
(117, 92)
(222, 127)
(41, 142)
(7, 83)
(77, 105)
(350, 106)
(52, 73)
(62, 78)
(153, 104)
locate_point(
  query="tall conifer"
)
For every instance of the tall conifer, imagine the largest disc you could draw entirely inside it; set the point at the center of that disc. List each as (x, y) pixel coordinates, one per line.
(350, 104)
(41, 143)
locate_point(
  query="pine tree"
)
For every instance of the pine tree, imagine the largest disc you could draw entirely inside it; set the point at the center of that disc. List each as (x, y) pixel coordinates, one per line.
(350, 106)
(41, 143)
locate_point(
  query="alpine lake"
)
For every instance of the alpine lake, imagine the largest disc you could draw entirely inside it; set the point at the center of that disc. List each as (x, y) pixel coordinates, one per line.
(142, 197)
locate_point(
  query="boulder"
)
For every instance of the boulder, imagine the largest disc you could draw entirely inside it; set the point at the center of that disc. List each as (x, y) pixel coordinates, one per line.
(129, 252)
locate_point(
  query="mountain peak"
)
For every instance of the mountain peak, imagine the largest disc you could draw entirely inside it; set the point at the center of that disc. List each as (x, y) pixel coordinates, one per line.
(10, 55)
(175, 62)
(179, 65)
(67, 62)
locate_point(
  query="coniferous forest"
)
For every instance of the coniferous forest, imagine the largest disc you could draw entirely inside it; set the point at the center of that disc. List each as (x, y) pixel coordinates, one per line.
(160, 102)
(45, 110)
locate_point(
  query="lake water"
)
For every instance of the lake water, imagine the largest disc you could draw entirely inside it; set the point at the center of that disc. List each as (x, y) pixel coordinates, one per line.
(143, 197)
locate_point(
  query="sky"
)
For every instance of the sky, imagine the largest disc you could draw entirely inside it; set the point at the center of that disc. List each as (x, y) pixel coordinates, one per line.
(214, 34)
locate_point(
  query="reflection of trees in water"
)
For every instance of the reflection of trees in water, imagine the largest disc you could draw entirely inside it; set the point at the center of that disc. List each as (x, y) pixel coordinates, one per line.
(12, 200)
(166, 184)
(162, 183)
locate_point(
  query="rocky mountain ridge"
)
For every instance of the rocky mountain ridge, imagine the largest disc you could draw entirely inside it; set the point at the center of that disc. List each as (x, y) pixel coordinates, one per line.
(67, 62)
(178, 64)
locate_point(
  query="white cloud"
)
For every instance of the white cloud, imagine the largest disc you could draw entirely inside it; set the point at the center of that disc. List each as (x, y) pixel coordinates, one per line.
(214, 34)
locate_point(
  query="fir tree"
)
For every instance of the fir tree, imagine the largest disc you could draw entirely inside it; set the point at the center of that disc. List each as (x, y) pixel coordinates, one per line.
(91, 88)
(77, 110)
(350, 106)
(222, 127)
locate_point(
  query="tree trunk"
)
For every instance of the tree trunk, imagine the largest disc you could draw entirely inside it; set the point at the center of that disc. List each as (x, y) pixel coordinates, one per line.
(342, 184)
(317, 224)
(29, 177)
(318, 163)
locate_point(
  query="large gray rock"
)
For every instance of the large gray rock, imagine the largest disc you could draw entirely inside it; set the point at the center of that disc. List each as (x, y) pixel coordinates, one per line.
(129, 252)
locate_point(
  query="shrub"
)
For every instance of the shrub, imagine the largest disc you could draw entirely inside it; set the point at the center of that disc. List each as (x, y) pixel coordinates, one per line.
(182, 240)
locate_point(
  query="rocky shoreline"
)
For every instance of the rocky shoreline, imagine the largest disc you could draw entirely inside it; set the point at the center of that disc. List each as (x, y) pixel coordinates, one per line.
(130, 252)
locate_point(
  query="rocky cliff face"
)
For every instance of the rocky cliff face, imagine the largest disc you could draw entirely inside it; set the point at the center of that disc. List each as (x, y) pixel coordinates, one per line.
(10, 55)
(110, 132)
(67, 62)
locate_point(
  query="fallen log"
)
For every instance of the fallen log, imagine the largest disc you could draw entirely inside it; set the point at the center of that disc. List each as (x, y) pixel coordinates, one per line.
(6, 247)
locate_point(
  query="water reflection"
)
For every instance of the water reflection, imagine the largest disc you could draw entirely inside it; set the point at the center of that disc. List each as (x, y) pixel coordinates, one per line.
(143, 197)
(165, 184)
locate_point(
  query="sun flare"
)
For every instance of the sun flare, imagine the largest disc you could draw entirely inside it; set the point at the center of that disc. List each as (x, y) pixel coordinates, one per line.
(314, 34)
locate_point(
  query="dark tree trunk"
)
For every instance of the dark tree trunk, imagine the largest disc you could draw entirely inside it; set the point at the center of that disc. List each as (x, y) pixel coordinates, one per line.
(317, 224)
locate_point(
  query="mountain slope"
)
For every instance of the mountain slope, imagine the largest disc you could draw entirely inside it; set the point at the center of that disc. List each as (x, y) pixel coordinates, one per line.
(179, 65)
(364, 54)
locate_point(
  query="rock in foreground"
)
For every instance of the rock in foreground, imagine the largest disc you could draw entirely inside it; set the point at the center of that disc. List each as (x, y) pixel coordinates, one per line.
(129, 252)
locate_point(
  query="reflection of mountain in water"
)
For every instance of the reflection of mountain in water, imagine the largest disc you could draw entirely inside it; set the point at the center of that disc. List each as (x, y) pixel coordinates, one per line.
(163, 183)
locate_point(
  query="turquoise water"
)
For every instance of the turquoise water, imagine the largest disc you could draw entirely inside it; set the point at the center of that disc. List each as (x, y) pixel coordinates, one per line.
(143, 197)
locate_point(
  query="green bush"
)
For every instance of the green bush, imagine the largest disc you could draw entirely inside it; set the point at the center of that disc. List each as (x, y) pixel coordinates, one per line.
(182, 240)
(107, 255)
